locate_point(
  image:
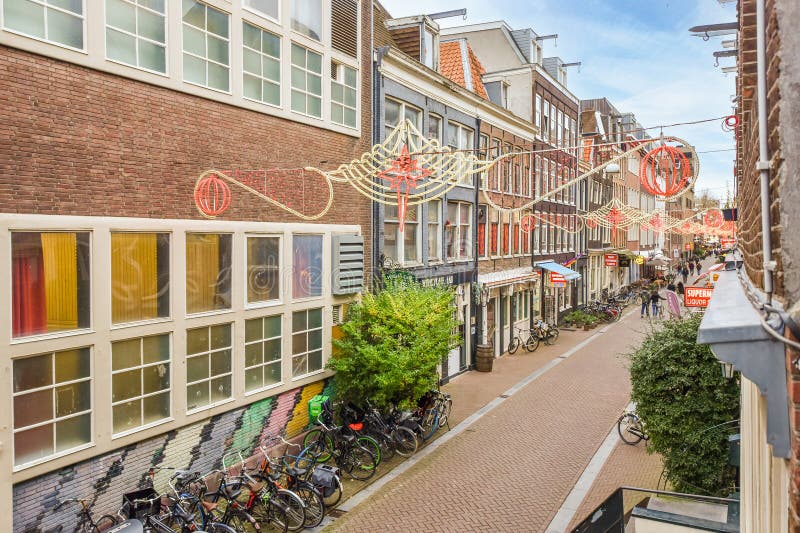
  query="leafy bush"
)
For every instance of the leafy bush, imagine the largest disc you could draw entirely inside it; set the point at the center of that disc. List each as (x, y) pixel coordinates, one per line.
(576, 317)
(392, 342)
(685, 403)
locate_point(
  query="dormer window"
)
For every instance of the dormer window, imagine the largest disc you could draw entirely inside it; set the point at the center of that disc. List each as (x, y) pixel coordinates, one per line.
(429, 53)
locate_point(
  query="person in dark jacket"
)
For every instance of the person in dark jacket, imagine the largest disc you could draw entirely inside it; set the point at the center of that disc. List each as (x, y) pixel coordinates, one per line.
(654, 298)
(679, 288)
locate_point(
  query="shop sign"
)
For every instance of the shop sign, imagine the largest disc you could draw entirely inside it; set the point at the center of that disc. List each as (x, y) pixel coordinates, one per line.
(557, 280)
(625, 262)
(727, 243)
(697, 296)
(676, 253)
(612, 260)
(688, 246)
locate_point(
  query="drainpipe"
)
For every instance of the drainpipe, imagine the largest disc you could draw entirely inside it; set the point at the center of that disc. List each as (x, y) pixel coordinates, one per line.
(763, 164)
(377, 131)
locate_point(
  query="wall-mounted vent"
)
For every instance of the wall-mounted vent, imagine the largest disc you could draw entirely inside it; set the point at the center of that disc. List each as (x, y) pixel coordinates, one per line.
(344, 26)
(348, 264)
(336, 313)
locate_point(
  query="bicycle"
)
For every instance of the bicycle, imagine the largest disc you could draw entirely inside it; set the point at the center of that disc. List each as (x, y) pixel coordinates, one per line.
(531, 344)
(85, 518)
(329, 437)
(326, 442)
(434, 412)
(631, 428)
(543, 331)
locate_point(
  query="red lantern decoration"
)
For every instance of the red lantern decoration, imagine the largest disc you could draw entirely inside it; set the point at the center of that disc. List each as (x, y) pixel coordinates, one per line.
(402, 176)
(656, 223)
(665, 171)
(713, 218)
(212, 196)
(527, 223)
(591, 223)
(615, 216)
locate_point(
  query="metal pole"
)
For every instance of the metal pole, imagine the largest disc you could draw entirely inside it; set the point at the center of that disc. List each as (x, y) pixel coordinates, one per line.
(763, 165)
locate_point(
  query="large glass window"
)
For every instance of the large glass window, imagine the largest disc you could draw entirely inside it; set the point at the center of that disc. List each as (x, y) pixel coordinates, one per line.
(494, 232)
(307, 18)
(343, 95)
(262, 353)
(140, 381)
(49, 282)
(261, 56)
(435, 127)
(136, 33)
(52, 404)
(208, 272)
(395, 112)
(306, 81)
(434, 230)
(56, 21)
(270, 8)
(208, 365)
(306, 342)
(139, 276)
(307, 266)
(402, 246)
(206, 55)
(263, 269)
(461, 138)
(459, 230)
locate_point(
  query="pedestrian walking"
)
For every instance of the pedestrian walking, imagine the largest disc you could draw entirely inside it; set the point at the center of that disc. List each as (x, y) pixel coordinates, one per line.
(691, 268)
(685, 273)
(697, 267)
(654, 299)
(644, 298)
(679, 288)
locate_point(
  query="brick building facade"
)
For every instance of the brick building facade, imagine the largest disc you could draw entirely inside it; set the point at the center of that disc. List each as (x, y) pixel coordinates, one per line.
(99, 161)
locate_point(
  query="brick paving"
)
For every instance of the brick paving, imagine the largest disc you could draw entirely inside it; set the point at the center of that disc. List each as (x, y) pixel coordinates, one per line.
(512, 469)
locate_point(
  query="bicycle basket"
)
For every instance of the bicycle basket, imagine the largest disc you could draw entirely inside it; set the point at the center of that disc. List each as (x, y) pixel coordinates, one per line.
(324, 477)
(133, 509)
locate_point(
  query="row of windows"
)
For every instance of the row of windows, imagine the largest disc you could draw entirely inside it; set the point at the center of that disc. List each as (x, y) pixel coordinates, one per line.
(136, 34)
(505, 237)
(51, 276)
(555, 126)
(405, 246)
(53, 392)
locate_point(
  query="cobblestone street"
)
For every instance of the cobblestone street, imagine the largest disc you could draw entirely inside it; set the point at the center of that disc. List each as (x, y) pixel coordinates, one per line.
(511, 469)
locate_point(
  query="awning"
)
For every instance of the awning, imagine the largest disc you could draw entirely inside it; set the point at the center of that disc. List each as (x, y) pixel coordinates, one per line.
(507, 277)
(552, 266)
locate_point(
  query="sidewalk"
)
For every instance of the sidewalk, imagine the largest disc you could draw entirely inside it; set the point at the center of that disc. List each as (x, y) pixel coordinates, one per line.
(514, 463)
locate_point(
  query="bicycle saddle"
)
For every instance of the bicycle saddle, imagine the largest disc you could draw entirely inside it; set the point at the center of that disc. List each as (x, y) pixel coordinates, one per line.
(295, 471)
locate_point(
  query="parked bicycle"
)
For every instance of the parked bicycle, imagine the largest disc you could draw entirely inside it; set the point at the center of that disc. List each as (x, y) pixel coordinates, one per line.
(545, 332)
(86, 521)
(631, 428)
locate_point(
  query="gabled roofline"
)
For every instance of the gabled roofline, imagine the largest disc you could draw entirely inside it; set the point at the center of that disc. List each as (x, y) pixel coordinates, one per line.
(495, 25)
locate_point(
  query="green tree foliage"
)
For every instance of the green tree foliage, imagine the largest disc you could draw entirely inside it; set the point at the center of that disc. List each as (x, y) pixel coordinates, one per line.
(392, 342)
(685, 403)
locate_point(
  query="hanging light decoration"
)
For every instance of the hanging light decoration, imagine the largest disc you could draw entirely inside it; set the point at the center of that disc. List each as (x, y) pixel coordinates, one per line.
(665, 172)
(615, 217)
(713, 218)
(402, 176)
(212, 196)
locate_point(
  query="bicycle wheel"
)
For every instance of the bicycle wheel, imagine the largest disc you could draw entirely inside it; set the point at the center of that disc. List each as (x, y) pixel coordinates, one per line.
(532, 343)
(271, 517)
(513, 346)
(372, 445)
(625, 424)
(405, 441)
(105, 523)
(552, 335)
(240, 520)
(447, 406)
(315, 506)
(385, 442)
(432, 426)
(219, 527)
(295, 508)
(359, 463)
(319, 444)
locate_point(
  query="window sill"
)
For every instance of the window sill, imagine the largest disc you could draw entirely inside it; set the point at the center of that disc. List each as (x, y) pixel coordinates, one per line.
(138, 429)
(263, 389)
(49, 336)
(124, 325)
(310, 374)
(262, 305)
(43, 460)
(209, 406)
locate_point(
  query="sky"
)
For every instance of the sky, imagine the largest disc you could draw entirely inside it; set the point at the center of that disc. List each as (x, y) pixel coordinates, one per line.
(637, 53)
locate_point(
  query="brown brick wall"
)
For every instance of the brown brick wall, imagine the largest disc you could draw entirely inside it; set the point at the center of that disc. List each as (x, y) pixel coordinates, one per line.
(75, 141)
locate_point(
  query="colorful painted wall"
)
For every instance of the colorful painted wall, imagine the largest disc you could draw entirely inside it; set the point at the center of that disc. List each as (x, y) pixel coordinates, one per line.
(199, 447)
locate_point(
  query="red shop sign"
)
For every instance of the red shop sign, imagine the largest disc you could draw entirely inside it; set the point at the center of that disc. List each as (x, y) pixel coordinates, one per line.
(612, 260)
(555, 277)
(697, 296)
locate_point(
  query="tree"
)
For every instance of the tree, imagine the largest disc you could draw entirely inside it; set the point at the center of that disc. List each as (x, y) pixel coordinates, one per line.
(687, 407)
(392, 342)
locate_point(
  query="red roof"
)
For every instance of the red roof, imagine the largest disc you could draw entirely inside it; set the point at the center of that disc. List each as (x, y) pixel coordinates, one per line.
(453, 65)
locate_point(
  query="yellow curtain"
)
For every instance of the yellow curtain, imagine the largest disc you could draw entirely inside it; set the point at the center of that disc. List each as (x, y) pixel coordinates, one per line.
(134, 277)
(59, 252)
(202, 271)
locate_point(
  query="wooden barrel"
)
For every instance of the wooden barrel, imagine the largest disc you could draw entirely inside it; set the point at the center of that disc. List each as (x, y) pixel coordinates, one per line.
(484, 357)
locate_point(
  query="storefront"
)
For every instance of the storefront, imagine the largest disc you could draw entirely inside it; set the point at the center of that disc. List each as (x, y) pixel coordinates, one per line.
(557, 289)
(509, 300)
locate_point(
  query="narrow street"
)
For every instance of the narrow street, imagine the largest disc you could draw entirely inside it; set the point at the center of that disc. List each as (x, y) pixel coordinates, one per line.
(512, 469)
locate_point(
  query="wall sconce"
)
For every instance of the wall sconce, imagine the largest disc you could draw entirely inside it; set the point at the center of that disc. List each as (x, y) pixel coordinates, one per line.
(727, 369)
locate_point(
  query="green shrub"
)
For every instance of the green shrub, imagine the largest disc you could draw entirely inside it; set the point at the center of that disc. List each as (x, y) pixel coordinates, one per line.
(392, 342)
(682, 397)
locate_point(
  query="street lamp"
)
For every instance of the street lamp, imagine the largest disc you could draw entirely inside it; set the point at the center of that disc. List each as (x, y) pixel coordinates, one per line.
(727, 369)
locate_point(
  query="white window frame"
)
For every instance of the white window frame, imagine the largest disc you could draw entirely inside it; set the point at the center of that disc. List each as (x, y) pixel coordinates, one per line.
(45, 6)
(400, 243)
(281, 266)
(210, 377)
(55, 419)
(262, 365)
(468, 179)
(434, 206)
(307, 73)
(206, 59)
(458, 232)
(440, 128)
(402, 114)
(260, 13)
(170, 361)
(306, 332)
(136, 36)
(261, 77)
(340, 80)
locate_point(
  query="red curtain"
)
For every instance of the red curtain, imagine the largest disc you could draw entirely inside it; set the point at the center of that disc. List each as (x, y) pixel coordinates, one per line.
(481, 240)
(28, 307)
